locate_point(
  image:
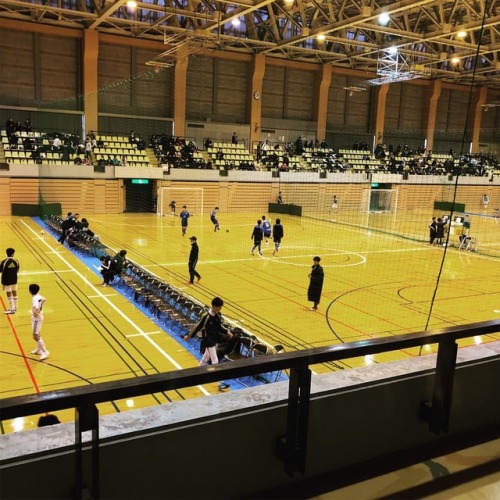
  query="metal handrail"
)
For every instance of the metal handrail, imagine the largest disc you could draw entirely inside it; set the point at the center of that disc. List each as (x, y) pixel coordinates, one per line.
(61, 399)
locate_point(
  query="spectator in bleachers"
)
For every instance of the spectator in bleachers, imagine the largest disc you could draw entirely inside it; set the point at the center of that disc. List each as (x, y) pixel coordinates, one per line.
(27, 126)
(10, 127)
(323, 144)
(123, 161)
(115, 161)
(88, 148)
(219, 155)
(299, 146)
(208, 143)
(56, 143)
(234, 138)
(19, 126)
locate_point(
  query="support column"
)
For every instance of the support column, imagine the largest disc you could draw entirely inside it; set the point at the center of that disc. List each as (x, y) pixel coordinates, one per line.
(180, 92)
(322, 101)
(431, 117)
(380, 113)
(90, 79)
(480, 99)
(259, 68)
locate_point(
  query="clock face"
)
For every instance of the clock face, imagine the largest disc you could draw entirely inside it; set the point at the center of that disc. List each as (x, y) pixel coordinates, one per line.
(256, 95)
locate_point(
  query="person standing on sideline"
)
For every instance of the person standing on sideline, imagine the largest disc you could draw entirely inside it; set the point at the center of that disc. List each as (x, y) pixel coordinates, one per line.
(172, 207)
(486, 200)
(278, 233)
(266, 228)
(37, 303)
(335, 203)
(9, 268)
(280, 198)
(184, 215)
(193, 260)
(257, 236)
(213, 218)
(212, 332)
(316, 277)
(432, 231)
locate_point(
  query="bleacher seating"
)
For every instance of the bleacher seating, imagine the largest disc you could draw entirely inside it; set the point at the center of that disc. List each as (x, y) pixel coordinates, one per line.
(121, 147)
(235, 156)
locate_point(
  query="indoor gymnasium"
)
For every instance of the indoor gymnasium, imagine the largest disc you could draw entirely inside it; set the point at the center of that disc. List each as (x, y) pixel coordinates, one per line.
(253, 237)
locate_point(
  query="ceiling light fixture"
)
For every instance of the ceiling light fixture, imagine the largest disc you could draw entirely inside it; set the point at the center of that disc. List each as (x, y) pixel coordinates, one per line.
(321, 37)
(461, 34)
(455, 60)
(131, 4)
(384, 19)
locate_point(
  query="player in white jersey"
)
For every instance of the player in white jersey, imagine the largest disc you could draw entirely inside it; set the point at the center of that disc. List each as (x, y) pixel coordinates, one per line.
(37, 303)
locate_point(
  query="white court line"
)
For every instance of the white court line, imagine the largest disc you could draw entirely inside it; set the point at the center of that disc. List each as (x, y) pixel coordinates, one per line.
(141, 334)
(45, 272)
(120, 312)
(102, 295)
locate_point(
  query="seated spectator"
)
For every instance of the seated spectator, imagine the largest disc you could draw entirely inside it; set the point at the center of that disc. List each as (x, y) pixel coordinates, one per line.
(77, 160)
(219, 155)
(123, 161)
(19, 127)
(10, 127)
(27, 126)
(115, 161)
(56, 144)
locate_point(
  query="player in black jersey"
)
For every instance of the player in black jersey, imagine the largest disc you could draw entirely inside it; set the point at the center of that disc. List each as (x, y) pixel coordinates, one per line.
(9, 268)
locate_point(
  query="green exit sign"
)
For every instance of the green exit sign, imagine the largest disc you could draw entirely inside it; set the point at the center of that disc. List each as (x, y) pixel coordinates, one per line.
(140, 181)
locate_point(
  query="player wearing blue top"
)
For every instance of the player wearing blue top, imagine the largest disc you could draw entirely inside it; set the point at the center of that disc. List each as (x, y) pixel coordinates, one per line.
(213, 218)
(184, 215)
(266, 228)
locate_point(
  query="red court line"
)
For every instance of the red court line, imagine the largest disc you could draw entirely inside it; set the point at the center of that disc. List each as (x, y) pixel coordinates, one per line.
(16, 337)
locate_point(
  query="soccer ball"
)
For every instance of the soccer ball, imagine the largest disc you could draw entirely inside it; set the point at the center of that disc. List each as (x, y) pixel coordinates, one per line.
(42, 232)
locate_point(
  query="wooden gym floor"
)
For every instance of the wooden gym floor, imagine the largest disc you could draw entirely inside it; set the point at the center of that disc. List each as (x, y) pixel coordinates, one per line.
(381, 279)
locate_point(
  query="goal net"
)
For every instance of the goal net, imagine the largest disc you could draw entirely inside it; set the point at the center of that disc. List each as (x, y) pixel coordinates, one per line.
(191, 197)
(380, 200)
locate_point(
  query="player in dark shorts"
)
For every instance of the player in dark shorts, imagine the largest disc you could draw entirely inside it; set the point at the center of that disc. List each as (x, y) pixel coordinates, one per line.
(213, 218)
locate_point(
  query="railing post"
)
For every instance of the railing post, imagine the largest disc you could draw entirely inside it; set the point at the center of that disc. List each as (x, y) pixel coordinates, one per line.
(291, 448)
(437, 412)
(86, 419)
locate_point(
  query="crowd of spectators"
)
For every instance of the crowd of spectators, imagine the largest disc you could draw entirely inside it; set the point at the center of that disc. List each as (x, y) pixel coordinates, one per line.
(177, 152)
(419, 161)
(302, 154)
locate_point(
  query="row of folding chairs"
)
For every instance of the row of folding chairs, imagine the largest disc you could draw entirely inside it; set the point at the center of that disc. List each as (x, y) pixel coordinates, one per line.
(163, 300)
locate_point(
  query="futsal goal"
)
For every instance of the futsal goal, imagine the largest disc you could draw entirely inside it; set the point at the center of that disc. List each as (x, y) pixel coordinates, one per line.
(191, 197)
(380, 200)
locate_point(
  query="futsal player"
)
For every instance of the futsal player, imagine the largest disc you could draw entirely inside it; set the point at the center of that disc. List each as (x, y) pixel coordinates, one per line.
(266, 229)
(213, 218)
(184, 215)
(37, 303)
(278, 233)
(257, 236)
(9, 268)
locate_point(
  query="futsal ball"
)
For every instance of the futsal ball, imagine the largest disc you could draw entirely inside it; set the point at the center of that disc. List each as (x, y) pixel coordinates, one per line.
(42, 232)
(227, 230)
